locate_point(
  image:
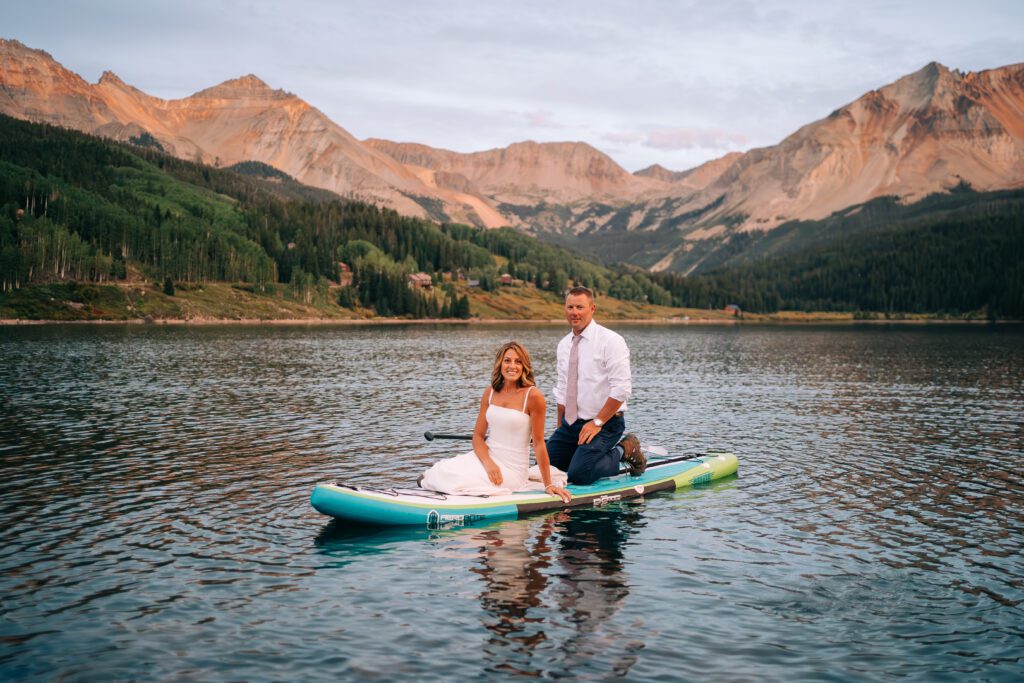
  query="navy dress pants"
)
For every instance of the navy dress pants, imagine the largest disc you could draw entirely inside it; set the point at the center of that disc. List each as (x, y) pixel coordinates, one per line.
(586, 463)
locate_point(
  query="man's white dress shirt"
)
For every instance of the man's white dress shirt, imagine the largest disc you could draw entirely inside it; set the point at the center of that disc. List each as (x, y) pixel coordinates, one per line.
(603, 370)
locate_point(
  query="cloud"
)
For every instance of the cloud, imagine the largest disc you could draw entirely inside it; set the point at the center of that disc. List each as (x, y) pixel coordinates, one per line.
(468, 76)
(624, 138)
(542, 119)
(693, 138)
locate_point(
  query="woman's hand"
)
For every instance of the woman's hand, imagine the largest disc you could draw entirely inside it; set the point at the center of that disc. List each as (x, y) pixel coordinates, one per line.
(493, 471)
(558, 491)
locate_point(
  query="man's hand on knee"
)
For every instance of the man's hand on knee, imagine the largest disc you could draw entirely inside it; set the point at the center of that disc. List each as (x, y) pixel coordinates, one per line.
(588, 432)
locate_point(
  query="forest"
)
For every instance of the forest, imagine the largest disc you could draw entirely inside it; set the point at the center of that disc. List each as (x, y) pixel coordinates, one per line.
(951, 254)
(77, 208)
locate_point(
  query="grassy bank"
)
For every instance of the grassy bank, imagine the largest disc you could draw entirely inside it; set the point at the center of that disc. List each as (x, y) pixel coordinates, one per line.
(217, 301)
(213, 301)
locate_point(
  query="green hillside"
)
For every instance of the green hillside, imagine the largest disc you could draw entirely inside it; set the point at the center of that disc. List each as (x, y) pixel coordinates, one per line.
(90, 228)
(84, 210)
(957, 254)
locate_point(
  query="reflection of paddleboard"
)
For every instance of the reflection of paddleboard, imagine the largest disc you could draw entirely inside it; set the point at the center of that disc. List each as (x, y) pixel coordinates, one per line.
(390, 506)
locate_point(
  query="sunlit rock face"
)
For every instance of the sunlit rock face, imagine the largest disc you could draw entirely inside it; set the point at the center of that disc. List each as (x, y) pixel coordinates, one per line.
(238, 120)
(926, 132)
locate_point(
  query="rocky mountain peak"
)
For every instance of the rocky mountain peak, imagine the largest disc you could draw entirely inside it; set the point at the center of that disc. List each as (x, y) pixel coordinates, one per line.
(29, 67)
(922, 133)
(658, 172)
(111, 78)
(246, 82)
(16, 47)
(243, 87)
(932, 85)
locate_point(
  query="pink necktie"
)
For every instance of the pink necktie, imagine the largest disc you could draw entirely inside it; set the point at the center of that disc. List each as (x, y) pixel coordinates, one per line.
(571, 411)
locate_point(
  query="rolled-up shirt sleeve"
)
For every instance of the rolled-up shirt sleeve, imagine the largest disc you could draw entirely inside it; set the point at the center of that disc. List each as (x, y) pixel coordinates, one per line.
(620, 379)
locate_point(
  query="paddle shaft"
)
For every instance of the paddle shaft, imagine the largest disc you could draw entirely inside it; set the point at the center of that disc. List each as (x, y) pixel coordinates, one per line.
(430, 436)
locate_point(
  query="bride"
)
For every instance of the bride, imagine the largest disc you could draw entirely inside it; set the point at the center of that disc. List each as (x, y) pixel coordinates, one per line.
(499, 464)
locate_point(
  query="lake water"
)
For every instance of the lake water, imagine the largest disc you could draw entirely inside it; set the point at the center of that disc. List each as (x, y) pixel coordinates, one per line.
(155, 517)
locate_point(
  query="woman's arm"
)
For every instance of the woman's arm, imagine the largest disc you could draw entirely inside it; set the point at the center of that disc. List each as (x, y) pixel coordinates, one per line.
(536, 409)
(480, 442)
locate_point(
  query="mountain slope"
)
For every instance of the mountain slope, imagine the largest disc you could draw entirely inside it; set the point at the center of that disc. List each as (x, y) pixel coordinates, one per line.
(527, 173)
(926, 132)
(239, 120)
(81, 209)
(959, 254)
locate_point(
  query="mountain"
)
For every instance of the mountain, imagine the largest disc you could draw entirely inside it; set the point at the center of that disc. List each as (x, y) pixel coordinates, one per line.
(239, 120)
(94, 228)
(928, 132)
(695, 178)
(958, 253)
(528, 173)
(925, 132)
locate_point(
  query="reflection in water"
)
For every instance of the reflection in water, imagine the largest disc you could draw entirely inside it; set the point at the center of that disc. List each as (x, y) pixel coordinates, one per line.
(570, 563)
(154, 499)
(513, 560)
(551, 585)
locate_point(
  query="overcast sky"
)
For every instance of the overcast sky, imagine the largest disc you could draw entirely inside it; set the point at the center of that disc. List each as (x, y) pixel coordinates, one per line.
(675, 83)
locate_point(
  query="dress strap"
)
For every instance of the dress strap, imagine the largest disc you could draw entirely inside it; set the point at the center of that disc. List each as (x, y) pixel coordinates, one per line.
(526, 398)
(490, 396)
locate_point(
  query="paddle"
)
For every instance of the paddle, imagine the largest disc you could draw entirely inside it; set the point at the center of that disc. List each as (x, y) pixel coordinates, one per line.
(430, 436)
(657, 451)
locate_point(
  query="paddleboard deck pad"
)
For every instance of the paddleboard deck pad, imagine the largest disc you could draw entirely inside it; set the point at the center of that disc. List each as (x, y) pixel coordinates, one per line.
(415, 506)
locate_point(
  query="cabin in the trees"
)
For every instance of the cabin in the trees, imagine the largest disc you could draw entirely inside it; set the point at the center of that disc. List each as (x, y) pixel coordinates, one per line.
(733, 310)
(419, 281)
(506, 279)
(344, 274)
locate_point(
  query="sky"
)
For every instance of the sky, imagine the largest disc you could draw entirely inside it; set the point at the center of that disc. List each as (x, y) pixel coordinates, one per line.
(645, 81)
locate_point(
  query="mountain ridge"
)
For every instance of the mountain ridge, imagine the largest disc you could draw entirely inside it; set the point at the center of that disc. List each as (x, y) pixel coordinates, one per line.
(925, 132)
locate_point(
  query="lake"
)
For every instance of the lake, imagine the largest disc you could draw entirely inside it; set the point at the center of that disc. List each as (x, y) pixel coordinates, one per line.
(155, 517)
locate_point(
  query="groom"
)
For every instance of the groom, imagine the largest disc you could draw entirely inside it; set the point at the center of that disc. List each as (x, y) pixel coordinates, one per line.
(593, 385)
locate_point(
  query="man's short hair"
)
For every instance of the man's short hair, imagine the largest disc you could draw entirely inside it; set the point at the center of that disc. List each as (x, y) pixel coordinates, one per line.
(580, 289)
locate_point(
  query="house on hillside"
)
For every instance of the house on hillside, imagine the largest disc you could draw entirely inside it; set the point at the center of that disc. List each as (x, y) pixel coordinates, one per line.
(419, 281)
(344, 274)
(733, 310)
(506, 279)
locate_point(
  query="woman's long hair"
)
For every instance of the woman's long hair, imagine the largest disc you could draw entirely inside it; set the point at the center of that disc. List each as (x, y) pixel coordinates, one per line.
(525, 379)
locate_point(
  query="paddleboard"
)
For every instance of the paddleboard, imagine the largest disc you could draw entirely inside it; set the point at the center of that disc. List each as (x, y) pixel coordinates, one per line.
(415, 506)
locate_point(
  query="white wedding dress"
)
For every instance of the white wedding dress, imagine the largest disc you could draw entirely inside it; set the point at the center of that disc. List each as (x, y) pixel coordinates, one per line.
(508, 442)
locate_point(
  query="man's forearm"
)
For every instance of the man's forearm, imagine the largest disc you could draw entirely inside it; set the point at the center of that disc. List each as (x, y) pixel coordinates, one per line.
(608, 410)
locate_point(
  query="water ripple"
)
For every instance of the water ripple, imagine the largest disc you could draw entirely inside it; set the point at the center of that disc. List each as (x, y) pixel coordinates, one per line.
(155, 519)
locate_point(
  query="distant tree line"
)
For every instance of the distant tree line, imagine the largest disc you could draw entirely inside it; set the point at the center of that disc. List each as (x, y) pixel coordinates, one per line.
(950, 264)
(79, 208)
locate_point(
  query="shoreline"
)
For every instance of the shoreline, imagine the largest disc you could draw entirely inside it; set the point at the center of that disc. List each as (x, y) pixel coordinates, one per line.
(344, 322)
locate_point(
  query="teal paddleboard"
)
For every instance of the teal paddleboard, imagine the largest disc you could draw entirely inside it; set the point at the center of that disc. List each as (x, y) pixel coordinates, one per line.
(414, 506)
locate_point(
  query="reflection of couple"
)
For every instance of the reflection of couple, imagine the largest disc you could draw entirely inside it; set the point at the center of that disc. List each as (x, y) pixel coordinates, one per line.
(552, 586)
(593, 385)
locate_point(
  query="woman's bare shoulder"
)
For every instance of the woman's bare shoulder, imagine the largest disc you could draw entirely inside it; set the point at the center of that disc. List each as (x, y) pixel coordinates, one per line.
(536, 399)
